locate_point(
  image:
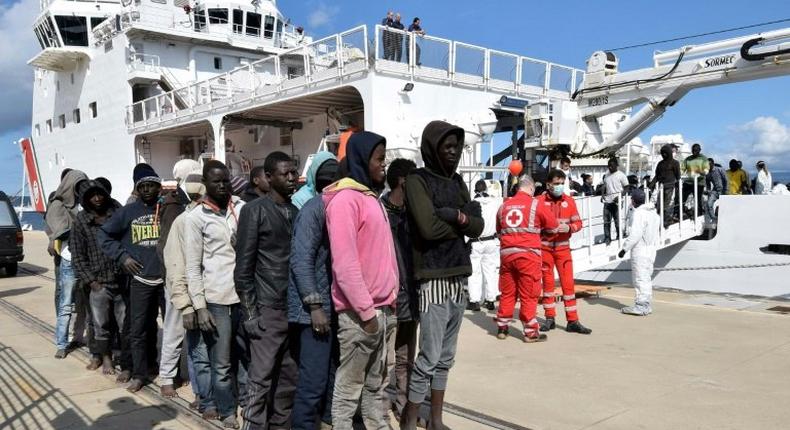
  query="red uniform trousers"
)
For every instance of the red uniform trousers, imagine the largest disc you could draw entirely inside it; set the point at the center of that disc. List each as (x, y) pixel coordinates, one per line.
(561, 259)
(519, 278)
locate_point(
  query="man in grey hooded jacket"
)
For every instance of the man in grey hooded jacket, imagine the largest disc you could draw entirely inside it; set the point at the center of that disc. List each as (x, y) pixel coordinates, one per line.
(60, 217)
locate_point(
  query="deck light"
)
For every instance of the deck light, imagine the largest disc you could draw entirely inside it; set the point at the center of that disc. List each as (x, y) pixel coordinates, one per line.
(408, 87)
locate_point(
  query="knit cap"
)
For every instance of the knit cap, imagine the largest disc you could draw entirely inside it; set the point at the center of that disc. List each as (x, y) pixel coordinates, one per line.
(145, 173)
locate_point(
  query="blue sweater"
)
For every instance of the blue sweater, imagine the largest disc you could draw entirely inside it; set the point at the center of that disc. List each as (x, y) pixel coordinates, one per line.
(310, 277)
(133, 231)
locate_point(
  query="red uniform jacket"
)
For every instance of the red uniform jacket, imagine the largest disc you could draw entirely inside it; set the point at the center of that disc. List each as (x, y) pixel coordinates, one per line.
(519, 224)
(564, 209)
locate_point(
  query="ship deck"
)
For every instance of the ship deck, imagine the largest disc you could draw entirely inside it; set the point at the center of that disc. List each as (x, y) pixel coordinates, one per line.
(700, 361)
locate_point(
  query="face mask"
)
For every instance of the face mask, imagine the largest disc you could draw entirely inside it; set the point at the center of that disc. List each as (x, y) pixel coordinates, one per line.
(557, 190)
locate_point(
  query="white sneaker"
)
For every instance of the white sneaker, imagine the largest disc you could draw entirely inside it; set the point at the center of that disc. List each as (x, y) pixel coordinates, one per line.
(636, 310)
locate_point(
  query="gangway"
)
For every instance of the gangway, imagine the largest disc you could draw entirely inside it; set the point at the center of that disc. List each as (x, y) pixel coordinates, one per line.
(589, 253)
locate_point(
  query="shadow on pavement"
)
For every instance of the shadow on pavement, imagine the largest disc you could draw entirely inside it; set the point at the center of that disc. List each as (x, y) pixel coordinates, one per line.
(29, 402)
(605, 301)
(17, 292)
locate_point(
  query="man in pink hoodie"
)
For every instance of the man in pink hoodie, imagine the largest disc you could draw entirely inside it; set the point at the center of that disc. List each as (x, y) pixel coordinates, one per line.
(365, 282)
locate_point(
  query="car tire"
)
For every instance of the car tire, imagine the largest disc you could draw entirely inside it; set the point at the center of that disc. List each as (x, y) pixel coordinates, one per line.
(11, 269)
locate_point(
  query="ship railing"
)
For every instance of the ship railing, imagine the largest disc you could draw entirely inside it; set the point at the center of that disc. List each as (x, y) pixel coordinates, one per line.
(428, 57)
(309, 65)
(144, 62)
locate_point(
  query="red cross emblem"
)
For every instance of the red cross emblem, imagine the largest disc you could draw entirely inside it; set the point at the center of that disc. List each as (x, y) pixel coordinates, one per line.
(514, 218)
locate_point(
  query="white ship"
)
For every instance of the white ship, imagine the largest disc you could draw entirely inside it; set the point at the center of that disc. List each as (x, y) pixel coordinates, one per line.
(156, 81)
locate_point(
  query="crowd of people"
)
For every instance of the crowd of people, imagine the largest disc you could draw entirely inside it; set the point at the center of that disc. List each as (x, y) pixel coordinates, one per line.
(673, 181)
(299, 307)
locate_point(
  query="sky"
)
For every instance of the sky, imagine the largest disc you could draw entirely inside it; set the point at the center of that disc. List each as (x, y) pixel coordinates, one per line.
(748, 121)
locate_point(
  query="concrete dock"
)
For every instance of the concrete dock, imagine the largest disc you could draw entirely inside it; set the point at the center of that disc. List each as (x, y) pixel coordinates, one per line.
(700, 361)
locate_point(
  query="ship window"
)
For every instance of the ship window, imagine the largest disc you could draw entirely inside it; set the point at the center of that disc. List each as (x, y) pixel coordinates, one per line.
(73, 30)
(279, 28)
(49, 33)
(218, 63)
(217, 16)
(268, 29)
(72, 79)
(92, 109)
(253, 24)
(39, 37)
(238, 21)
(76, 115)
(57, 85)
(96, 21)
(49, 126)
(62, 121)
(200, 19)
(38, 130)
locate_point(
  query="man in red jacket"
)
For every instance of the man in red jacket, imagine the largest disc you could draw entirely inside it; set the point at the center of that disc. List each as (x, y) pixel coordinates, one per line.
(556, 250)
(519, 223)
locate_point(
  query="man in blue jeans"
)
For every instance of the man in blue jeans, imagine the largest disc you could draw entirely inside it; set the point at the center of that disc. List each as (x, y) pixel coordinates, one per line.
(209, 239)
(61, 216)
(310, 310)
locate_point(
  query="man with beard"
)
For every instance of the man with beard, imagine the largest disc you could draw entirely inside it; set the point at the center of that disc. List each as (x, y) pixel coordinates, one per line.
(130, 238)
(443, 216)
(261, 277)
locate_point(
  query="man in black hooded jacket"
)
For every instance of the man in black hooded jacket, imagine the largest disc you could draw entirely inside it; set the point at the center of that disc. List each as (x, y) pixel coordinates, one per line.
(442, 215)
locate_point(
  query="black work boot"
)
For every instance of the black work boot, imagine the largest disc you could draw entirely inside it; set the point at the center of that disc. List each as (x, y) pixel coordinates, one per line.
(502, 333)
(547, 325)
(577, 327)
(488, 304)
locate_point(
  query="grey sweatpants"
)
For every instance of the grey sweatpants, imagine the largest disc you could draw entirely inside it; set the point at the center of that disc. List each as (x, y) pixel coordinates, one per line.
(361, 376)
(173, 333)
(439, 327)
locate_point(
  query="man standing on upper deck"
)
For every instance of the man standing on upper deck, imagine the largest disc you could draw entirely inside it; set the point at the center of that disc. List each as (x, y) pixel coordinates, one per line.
(388, 36)
(397, 39)
(556, 252)
(416, 30)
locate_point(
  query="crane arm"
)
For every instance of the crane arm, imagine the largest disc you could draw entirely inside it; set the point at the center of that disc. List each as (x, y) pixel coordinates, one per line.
(606, 93)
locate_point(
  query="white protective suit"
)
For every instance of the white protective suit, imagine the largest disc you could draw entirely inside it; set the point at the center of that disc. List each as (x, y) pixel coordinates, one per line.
(764, 182)
(484, 282)
(642, 241)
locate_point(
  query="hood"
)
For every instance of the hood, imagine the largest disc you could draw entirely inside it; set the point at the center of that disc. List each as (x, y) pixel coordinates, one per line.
(62, 209)
(183, 168)
(67, 190)
(360, 148)
(85, 187)
(432, 135)
(331, 190)
(308, 191)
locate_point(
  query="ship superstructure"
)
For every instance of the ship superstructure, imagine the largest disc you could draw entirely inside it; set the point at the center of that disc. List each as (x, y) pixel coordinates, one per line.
(156, 81)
